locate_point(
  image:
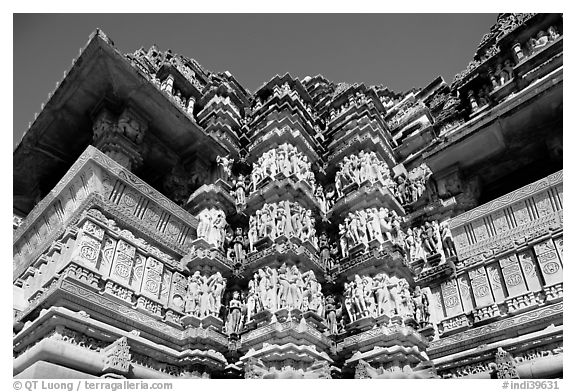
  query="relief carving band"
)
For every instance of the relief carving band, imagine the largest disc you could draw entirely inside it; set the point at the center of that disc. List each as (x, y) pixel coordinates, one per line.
(282, 219)
(171, 221)
(285, 161)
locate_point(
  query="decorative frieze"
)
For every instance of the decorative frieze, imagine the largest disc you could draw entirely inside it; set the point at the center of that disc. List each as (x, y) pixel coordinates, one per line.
(486, 313)
(521, 302)
(554, 292)
(118, 291)
(454, 324)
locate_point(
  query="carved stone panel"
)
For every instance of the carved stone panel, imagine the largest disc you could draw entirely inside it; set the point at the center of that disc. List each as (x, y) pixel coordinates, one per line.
(178, 292)
(521, 215)
(86, 251)
(499, 218)
(466, 294)
(480, 287)
(93, 229)
(528, 265)
(107, 255)
(559, 242)
(493, 272)
(451, 298)
(543, 204)
(460, 238)
(165, 289)
(549, 262)
(512, 273)
(480, 230)
(152, 278)
(122, 263)
(436, 311)
(137, 272)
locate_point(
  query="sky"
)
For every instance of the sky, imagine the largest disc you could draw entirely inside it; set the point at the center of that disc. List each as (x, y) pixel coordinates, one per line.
(400, 51)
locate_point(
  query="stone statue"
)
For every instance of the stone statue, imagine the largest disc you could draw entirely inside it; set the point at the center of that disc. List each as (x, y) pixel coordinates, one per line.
(234, 319)
(240, 191)
(447, 240)
(226, 163)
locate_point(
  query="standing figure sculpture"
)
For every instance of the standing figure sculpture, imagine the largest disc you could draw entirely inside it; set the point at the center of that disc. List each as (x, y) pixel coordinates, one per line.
(226, 163)
(234, 319)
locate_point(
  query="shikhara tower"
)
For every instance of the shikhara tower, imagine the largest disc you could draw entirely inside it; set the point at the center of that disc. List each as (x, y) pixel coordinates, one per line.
(170, 223)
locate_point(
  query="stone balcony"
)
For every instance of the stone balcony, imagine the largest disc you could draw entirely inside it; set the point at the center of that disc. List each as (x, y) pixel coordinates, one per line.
(509, 270)
(96, 181)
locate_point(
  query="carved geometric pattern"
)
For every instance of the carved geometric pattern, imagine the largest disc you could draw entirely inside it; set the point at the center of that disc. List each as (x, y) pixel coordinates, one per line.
(513, 278)
(480, 286)
(122, 263)
(152, 278)
(451, 298)
(549, 262)
(528, 264)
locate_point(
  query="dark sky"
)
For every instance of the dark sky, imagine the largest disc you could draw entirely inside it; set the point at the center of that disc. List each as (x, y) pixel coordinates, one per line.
(398, 50)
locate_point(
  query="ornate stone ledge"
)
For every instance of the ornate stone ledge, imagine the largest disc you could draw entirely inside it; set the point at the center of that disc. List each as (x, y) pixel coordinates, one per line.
(521, 303)
(496, 330)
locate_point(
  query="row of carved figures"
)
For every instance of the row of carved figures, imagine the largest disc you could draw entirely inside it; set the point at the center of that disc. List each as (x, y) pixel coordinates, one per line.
(286, 160)
(204, 295)
(367, 296)
(288, 288)
(272, 289)
(360, 168)
(429, 239)
(359, 228)
(364, 226)
(284, 218)
(271, 221)
(354, 169)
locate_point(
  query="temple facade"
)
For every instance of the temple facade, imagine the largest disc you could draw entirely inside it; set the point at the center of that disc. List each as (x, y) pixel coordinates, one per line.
(169, 223)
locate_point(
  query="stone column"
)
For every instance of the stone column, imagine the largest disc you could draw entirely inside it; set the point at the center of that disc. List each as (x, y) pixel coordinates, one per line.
(120, 137)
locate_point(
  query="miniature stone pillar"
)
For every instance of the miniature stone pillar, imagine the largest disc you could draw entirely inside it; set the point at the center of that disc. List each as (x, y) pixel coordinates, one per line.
(190, 106)
(517, 48)
(168, 85)
(472, 100)
(120, 138)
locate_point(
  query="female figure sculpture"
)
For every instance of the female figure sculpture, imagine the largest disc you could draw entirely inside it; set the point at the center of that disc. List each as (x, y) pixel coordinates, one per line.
(234, 319)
